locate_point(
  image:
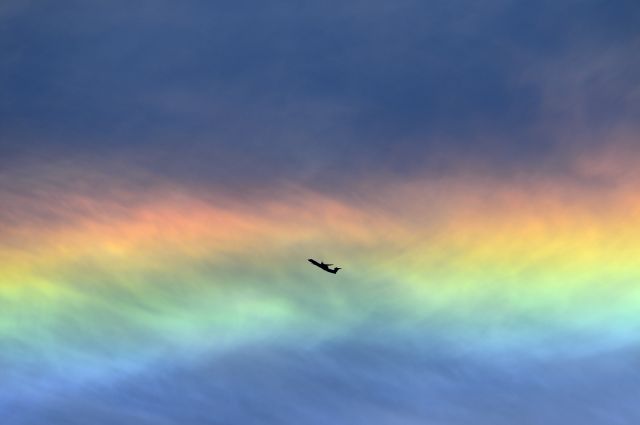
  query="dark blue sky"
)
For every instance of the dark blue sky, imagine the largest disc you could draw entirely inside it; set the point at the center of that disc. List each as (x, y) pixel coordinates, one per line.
(250, 91)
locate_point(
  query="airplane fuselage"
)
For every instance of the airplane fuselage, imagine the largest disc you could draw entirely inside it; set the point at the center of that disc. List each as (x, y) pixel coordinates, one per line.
(324, 266)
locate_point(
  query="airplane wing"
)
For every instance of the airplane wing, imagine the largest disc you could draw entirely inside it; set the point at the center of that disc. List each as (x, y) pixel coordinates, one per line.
(323, 266)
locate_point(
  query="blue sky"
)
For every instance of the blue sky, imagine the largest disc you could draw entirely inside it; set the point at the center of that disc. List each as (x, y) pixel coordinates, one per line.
(105, 101)
(301, 90)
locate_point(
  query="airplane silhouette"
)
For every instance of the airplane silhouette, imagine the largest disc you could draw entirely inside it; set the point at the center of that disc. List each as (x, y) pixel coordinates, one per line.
(324, 266)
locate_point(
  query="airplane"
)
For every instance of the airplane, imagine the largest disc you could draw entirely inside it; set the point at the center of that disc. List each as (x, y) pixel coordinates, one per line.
(324, 266)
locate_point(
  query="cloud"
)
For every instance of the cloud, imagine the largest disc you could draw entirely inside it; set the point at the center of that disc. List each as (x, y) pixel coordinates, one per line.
(471, 165)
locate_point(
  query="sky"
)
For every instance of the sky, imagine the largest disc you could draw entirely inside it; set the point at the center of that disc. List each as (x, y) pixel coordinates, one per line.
(167, 168)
